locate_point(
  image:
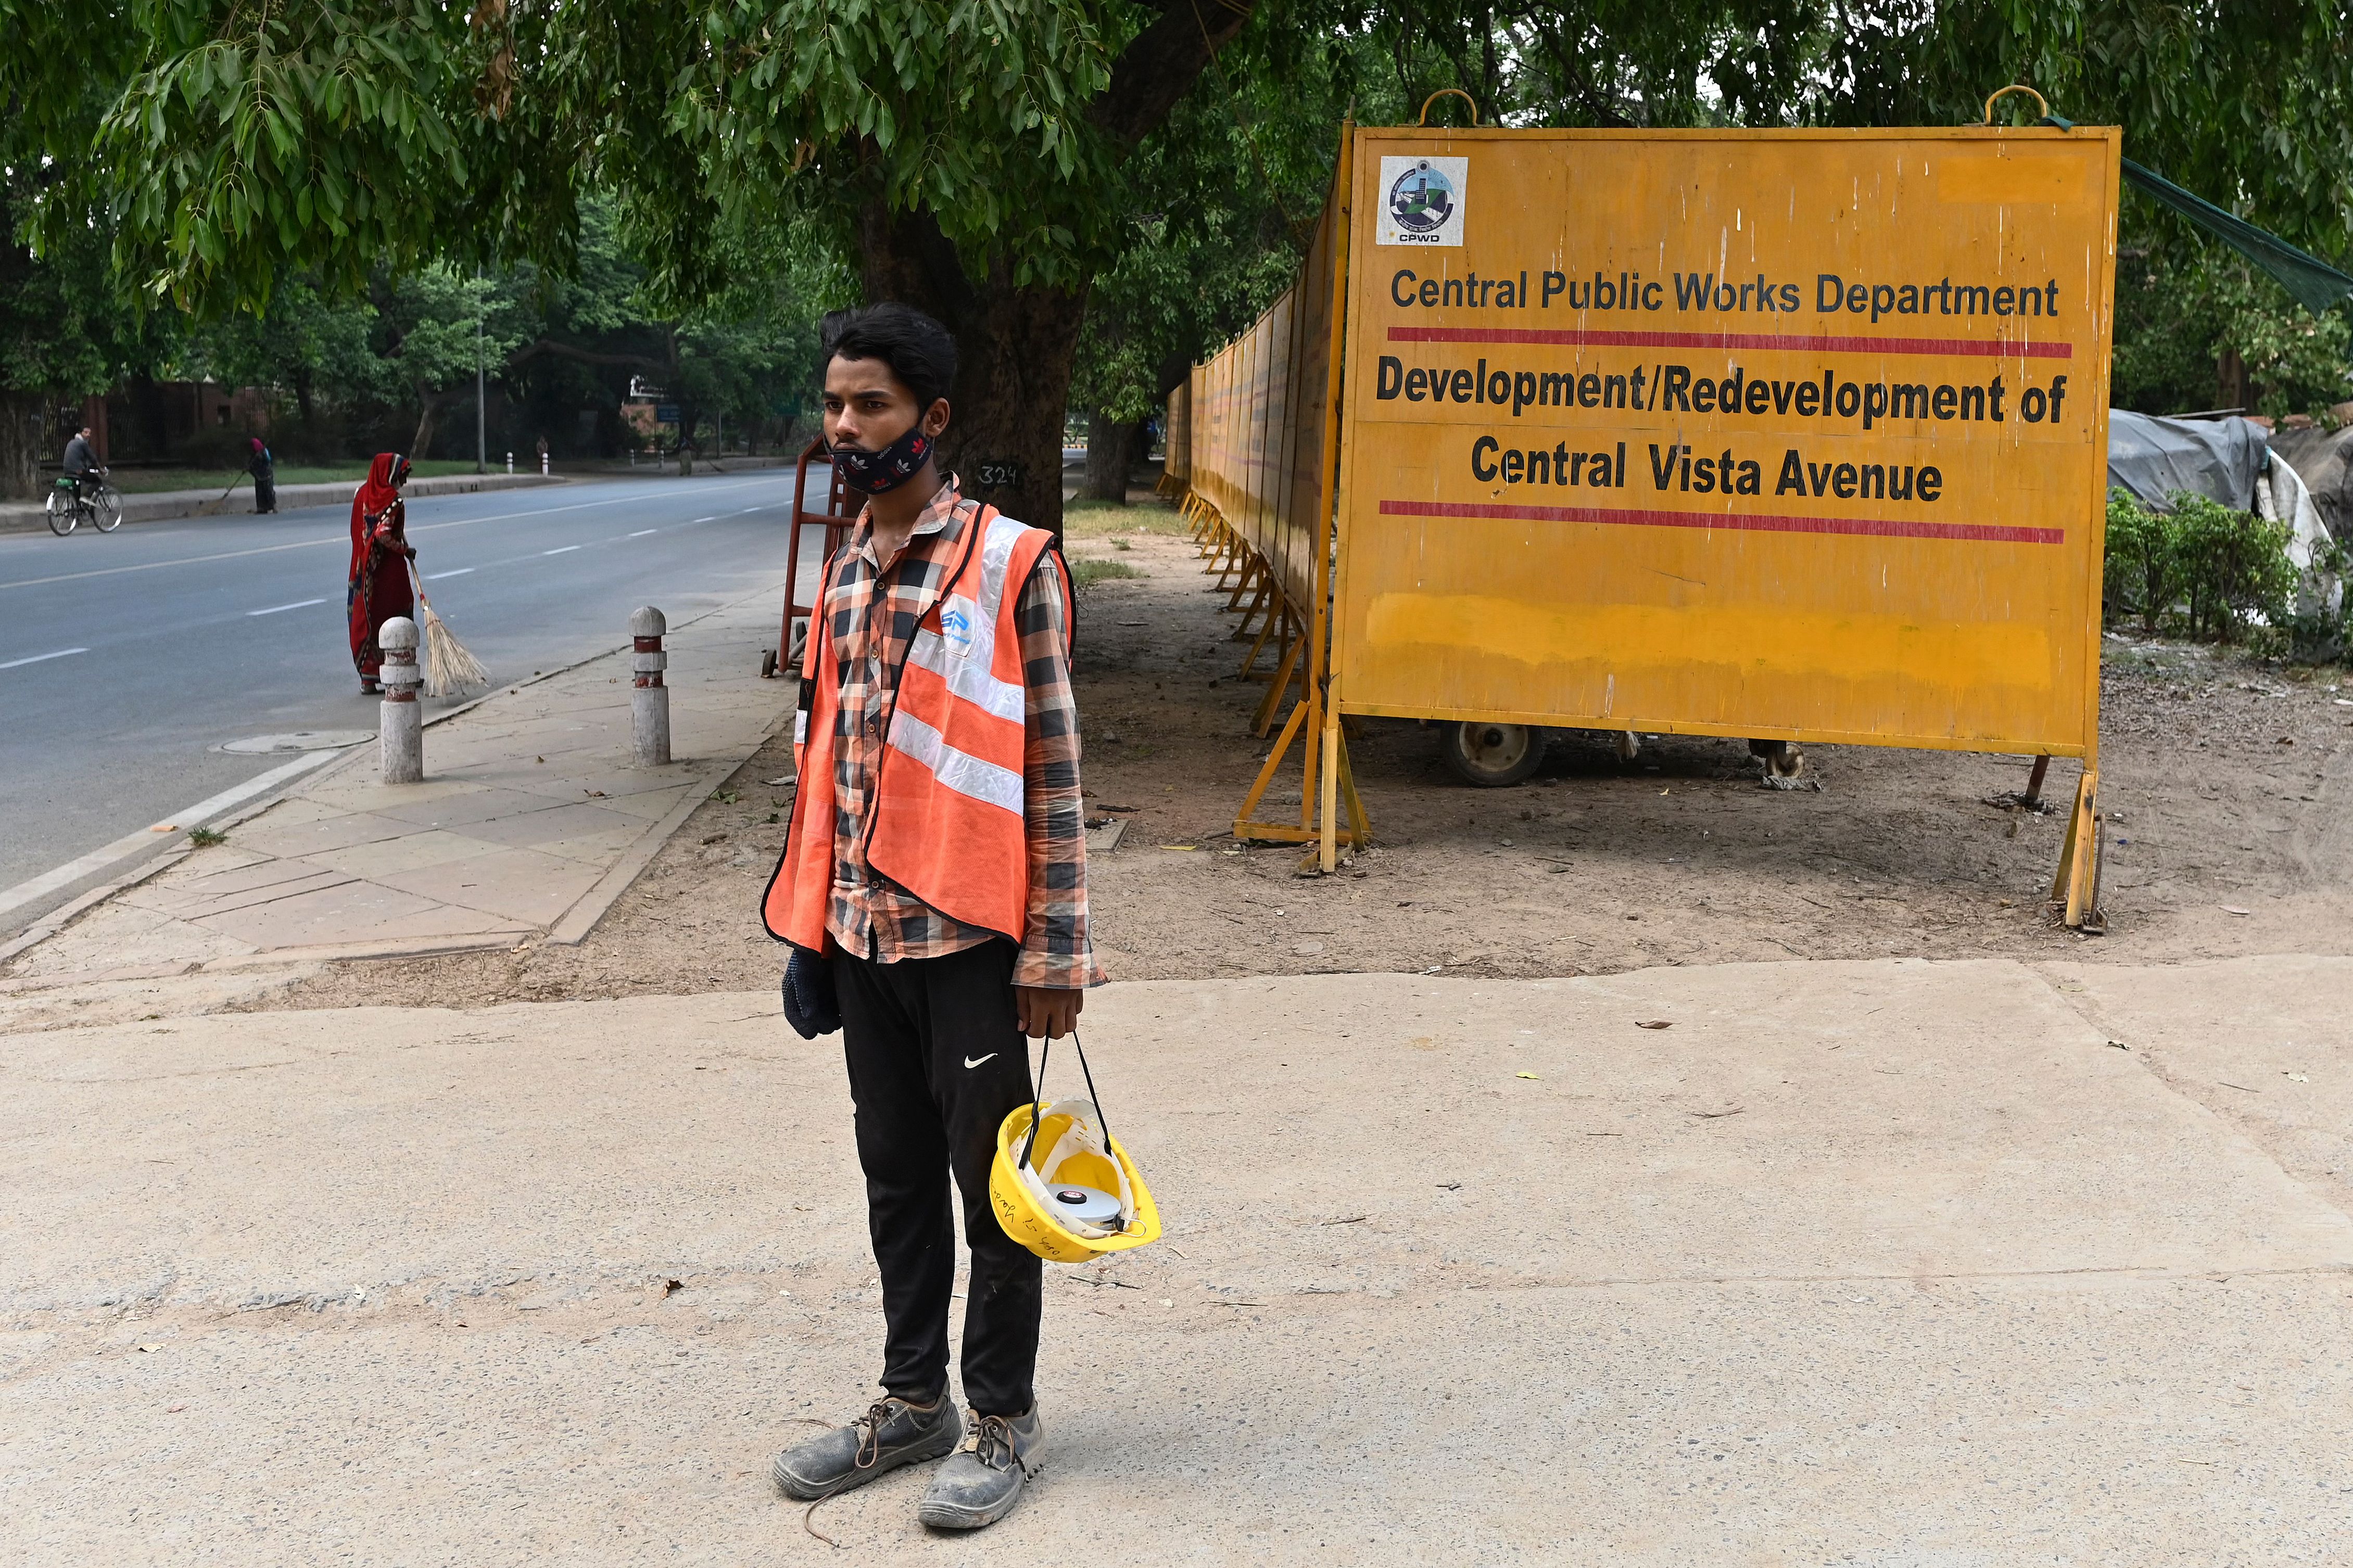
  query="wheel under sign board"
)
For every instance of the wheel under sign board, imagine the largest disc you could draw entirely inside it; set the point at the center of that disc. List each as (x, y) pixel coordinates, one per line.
(1769, 435)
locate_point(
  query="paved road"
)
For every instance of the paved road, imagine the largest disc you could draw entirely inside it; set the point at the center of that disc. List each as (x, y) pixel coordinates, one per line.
(126, 660)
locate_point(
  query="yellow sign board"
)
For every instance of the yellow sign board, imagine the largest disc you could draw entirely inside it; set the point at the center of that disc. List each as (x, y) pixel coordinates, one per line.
(1778, 435)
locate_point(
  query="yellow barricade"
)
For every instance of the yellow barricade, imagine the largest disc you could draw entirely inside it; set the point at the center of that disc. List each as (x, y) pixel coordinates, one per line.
(1262, 422)
(1775, 435)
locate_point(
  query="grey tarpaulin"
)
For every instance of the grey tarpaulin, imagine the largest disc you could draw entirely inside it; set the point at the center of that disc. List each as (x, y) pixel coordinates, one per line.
(2153, 458)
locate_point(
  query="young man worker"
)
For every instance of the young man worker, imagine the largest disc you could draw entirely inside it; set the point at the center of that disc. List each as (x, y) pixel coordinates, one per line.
(937, 858)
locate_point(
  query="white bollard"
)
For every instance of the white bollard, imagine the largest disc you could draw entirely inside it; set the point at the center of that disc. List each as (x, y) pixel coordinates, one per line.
(400, 732)
(510, 462)
(542, 465)
(648, 697)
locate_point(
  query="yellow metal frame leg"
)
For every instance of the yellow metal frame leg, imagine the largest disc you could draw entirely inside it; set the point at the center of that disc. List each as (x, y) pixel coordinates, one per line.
(1272, 702)
(2078, 882)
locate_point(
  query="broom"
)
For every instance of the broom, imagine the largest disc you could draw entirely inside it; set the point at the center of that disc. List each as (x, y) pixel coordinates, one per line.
(448, 668)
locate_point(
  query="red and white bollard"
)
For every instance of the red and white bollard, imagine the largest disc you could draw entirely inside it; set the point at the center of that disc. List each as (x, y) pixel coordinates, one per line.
(400, 728)
(648, 697)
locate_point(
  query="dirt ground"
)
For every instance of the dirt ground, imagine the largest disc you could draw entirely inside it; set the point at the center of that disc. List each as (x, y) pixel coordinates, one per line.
(2227, 781)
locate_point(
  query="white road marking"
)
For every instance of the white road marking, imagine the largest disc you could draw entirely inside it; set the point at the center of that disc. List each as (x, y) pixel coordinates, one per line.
(643, 532)
(43, 657)
(713, 518)
(436, 577)
(335, 539)
(561, 550)
(297, 604)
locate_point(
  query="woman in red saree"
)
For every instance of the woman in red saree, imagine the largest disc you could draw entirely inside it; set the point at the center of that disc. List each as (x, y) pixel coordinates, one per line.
(379, 585)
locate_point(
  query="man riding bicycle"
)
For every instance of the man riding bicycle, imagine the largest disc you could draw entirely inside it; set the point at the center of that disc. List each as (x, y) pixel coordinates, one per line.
(82, 463)
(82, 494)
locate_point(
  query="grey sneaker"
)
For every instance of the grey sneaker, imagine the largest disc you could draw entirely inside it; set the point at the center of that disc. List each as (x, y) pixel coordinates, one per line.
(891, 1434)
(983, 1479)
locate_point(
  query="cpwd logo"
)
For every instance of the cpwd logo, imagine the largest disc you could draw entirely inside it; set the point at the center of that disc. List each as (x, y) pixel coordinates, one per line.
(1422, 200)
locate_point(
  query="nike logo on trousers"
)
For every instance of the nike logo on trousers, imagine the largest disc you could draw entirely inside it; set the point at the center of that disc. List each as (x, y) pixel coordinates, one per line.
(989, 1057)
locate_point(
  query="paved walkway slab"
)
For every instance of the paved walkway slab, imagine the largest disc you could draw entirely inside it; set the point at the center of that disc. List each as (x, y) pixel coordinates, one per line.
(1890, 1262)
(531, 821)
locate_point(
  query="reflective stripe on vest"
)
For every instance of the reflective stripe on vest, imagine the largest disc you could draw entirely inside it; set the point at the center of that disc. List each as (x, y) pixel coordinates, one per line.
(962, 772)
(962, 654)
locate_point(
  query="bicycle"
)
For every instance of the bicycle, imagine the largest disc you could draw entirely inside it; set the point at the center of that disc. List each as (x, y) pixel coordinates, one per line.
(70, 502)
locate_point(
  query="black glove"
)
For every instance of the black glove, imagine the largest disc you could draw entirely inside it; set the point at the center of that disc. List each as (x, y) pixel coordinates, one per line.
(811, 1006)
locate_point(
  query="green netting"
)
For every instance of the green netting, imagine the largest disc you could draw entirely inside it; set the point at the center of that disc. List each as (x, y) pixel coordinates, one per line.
(2316, 285)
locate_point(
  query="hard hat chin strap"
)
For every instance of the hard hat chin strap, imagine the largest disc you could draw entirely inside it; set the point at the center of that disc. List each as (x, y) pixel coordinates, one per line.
(1037, 1099)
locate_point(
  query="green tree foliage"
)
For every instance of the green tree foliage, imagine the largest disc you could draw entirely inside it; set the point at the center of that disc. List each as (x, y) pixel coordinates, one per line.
(991, 160)
(1229, 191)
(2199, 329)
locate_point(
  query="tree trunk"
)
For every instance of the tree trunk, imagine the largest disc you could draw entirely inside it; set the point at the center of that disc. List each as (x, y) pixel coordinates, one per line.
(2230, 380)
(23, 425)
(425, 416)
(1015, 347)
(1111, 453)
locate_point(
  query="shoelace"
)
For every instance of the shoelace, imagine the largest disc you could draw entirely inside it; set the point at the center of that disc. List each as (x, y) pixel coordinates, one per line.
(870, 1428)
(992, 1441)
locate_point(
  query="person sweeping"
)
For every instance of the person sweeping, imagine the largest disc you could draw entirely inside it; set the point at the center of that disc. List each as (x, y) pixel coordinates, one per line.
(379, 586)
(263, 467)
(933, 887)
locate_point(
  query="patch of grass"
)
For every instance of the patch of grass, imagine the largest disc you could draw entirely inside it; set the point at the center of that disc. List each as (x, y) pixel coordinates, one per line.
(205, 837)
(1085, 519)
(1087, 573)
(1121, 545)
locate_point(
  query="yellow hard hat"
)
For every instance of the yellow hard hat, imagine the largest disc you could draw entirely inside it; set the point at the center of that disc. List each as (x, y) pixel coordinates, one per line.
(1026, 1218)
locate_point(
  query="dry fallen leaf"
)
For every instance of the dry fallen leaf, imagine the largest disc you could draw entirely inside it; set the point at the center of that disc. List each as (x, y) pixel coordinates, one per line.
(1713, 1115)
(2234, 910)
(1527, 1075)
(1654, 1022)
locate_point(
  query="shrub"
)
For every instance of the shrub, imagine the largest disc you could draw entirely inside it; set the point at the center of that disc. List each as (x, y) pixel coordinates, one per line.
(2143, 572)
(2200, 568)
(2233, 567)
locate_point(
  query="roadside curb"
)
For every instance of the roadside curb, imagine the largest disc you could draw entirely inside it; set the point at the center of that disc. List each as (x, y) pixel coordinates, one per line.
(574, 926)
(31, 517)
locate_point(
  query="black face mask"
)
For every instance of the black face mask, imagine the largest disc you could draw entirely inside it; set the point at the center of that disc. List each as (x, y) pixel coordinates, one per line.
(871, 473)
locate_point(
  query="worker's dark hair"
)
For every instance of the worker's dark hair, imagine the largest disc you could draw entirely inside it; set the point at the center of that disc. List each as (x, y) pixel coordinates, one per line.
(920, 352)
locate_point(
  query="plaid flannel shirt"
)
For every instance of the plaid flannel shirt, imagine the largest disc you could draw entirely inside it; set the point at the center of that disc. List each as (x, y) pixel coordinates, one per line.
(870, 608)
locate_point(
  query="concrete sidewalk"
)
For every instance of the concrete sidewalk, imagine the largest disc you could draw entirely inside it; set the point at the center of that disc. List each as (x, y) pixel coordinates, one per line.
(529, 823)
(160, 505)
(1883, 1262)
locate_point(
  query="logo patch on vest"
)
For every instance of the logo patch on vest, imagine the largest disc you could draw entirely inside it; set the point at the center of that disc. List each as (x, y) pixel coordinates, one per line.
(955, 628)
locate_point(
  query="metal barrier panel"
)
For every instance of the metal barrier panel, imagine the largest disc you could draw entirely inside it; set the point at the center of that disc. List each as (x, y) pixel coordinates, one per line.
(1780, 435)
(1177, 439)
(1260, 451)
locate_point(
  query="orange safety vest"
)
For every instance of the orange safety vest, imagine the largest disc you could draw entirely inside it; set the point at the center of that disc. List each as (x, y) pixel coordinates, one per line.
(947, 822)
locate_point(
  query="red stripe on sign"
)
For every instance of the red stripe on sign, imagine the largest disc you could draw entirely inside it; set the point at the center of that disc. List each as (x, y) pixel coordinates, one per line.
(1972, 347)
(1885, 528)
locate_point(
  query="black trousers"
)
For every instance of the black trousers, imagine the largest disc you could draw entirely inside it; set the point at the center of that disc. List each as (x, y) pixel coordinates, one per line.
(937, 1060)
